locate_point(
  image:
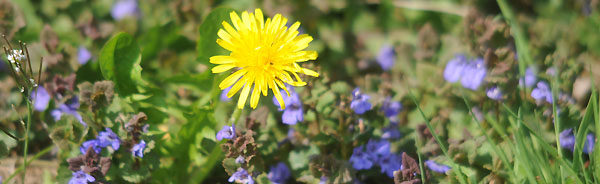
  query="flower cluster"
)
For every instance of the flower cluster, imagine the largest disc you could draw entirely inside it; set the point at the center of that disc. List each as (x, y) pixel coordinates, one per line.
(103, 140)
(542, 92)
(470, 72)
(376, 152)
(567, 141)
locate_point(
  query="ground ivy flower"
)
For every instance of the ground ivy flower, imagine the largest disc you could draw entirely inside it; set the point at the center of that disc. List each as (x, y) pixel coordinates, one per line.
(529, 78)
(138, 149)
(70, 107)
(266, 55)
(223, 96)
(293, 114)
(390, 163)
(378, 148)
(390, 108)
(107, 138)
(454, 68)
(542, 92)
(228, 132)
(94, 144)
(386, 57)
(494, 93)
(279, 173)
(567, 139)
(588, 147)
(83, 55)
(391, 132)
(323, 180)
(240, 159)
(360, 102)
(436, 167)
(473, 74)
(81, 177)
(360, 160)
(124, 8)
(41, 99)
(241, 176)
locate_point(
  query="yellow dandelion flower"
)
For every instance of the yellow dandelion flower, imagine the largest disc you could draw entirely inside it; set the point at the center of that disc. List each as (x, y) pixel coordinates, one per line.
(265, 55)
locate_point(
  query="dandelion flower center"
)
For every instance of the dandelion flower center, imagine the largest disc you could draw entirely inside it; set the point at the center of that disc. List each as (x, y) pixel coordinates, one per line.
(264, 55)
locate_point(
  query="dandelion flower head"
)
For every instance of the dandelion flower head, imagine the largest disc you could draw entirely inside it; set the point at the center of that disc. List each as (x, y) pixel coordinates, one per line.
(265, 55)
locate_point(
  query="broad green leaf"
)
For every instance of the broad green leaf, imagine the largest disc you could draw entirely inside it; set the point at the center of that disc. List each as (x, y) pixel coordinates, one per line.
(207, 34)
(120, 62)
(299, 158)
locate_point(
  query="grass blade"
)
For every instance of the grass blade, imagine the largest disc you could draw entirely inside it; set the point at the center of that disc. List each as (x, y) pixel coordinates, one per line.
(455, 166)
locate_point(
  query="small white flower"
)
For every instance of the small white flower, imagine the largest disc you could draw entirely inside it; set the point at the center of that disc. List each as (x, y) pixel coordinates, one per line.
(17, 55)
(22, 89)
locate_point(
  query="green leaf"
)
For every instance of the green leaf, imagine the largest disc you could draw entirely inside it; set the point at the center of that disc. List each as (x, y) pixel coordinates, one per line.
(120, 62)
(340, 87)
(207, 34)
(326, 100)
(299, 158)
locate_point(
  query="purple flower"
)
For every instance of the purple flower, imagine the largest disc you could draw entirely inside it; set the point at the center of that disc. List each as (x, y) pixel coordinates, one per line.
(228, 132)
(436, 167)
(454, 69)
(473, 74)
(386, 57)
(124, 8)
(588, 147)
(390, 163)
(323, 180)
(94, 144)
(378, 149)
(292, 114)
(69, 108)
(390, 132)
(240, 159)
(360, 160)
(224, 94)
(542, 92)
(494, 93)
(279, 173)
(83, 55)
(81, 177)
(360, 102)
(390, 108)
(138, 149)
(107, 138)
(41, 99)
(241, 176)
(529, 78)
(567, 139)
